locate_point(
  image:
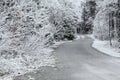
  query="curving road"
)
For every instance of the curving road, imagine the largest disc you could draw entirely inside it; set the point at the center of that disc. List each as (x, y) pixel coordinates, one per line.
(77, 60)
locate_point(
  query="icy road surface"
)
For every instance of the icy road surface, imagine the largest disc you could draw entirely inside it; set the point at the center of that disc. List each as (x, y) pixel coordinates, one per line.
(77, 60)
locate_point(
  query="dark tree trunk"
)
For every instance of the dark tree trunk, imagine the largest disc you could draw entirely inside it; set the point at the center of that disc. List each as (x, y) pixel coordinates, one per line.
(110, 25)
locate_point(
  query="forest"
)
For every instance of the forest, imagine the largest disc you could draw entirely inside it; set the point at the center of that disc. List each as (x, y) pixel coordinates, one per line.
(29, 27)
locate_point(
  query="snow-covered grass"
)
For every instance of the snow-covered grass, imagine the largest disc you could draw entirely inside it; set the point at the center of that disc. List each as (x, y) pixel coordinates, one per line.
(25, 63)
(105, 47)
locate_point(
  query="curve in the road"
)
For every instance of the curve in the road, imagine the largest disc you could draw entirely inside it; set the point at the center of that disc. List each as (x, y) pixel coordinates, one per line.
(77, 60)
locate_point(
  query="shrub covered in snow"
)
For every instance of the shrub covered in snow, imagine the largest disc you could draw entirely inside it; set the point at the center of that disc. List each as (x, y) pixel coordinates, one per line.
(101, 25)
(102, 19)
(27, 27)
(23, 26)
(106, 22)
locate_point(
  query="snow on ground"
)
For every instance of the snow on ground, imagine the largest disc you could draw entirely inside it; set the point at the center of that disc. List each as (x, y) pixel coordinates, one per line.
(27, 63)
(104, 47)
(24, 64)
(66, 41)
(79, 37)
(82, 36)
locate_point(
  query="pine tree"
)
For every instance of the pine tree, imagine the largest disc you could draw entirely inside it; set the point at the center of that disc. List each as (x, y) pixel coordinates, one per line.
(88, 16)
(118, 21)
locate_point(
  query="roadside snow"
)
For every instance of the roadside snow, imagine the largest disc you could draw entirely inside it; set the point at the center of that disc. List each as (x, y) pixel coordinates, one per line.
(25, 63)
(66, 41)
(82, 36)
(104, 47)
(58, 43)
(79, 36)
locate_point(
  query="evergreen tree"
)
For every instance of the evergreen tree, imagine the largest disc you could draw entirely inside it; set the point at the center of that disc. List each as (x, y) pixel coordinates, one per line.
(118, 20)
(88, 16)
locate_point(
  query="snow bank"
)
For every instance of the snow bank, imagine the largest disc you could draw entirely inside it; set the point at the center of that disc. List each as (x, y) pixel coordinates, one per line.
(104, 47)
(79, 37)
(25, 63)
(101, 28)
(62, 42)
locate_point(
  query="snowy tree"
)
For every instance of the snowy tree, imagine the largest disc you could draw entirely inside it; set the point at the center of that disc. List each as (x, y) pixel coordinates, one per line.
(106, 23)
(64, 19)
(29, 27)
(88, 16)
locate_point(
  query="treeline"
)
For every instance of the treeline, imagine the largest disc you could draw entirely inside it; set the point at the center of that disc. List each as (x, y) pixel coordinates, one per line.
(88, 15)
(102, 18)
(29, 27)
(26, 25)
(107, 23)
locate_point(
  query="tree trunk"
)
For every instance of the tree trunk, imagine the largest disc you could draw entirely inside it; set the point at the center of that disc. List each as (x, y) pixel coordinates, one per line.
(110, 24)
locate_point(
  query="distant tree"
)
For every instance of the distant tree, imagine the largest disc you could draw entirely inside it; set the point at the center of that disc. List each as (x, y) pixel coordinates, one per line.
(64, 21)
(88, 16)
(118, 20)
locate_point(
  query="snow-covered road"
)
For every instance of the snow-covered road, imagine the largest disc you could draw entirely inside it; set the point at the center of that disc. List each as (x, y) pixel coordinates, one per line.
(77, 60)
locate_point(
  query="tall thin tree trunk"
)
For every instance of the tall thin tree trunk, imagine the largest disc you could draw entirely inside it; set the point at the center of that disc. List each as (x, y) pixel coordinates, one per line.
(115, 28)
(110, 29)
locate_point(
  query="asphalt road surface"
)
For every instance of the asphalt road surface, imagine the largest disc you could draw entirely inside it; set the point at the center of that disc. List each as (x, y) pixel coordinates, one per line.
(77, 60)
